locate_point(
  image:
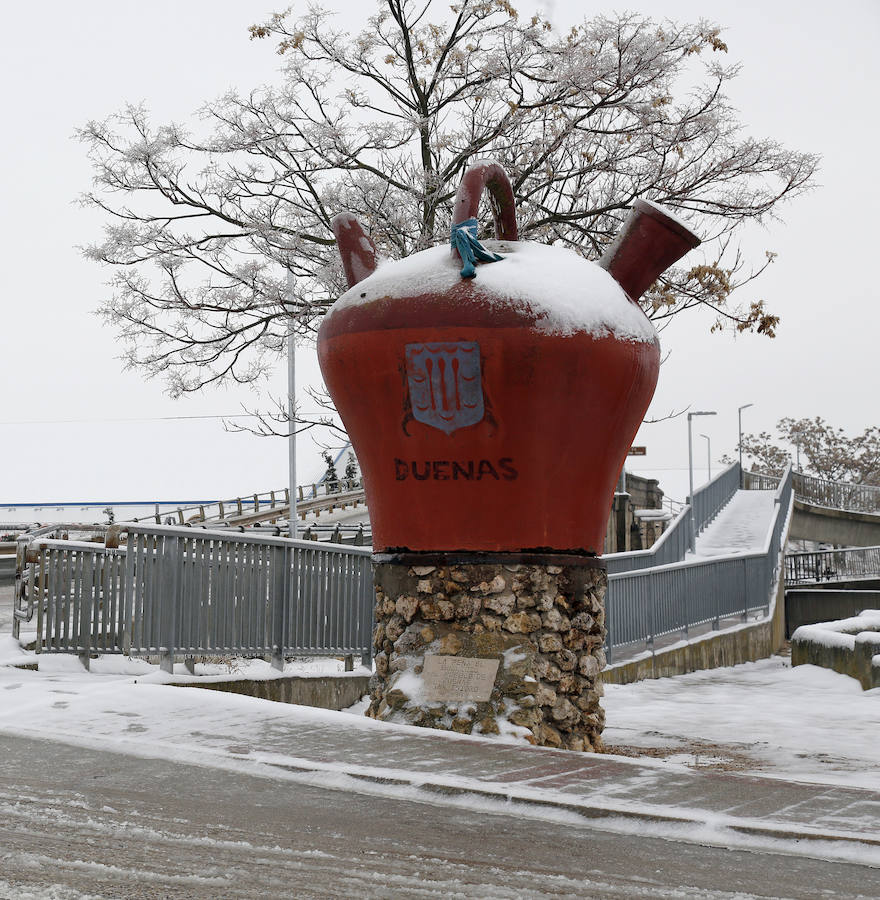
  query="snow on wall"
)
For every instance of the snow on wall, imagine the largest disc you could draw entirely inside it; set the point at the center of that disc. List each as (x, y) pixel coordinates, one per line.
(841, 633)
(566, 292)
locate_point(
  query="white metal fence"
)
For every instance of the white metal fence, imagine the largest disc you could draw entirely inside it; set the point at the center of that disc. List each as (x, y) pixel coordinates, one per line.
(192, 592)
(673, 544)
(645, 604)
(188, 591)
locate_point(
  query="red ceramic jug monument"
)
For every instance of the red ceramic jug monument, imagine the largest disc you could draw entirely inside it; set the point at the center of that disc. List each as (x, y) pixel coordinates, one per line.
(491, 394)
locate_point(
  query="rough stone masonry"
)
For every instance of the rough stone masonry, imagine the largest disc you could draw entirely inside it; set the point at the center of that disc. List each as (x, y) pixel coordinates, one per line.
(544, 624)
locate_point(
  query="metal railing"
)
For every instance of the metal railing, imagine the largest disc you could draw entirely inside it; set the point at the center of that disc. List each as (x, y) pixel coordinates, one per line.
(190, 591)
(184, 592)
(358, 534)
(645, 604)
(832, 565)
(252, 504)
(821, 492)
(673, 544)
(837, 495)
(757, 481)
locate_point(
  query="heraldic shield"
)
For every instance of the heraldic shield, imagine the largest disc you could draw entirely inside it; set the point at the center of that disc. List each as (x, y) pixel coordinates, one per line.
(445, 386)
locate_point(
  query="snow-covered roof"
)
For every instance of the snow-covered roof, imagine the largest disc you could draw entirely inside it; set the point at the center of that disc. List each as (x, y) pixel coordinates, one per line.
(653, 515)
(568, 293)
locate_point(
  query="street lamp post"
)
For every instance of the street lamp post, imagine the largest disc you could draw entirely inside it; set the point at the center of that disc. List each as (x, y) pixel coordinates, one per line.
(693, 529)
(708, 453)
(739, 413)
(291, 406)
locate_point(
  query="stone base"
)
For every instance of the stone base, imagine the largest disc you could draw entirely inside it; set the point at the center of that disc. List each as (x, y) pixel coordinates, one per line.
(544, 624)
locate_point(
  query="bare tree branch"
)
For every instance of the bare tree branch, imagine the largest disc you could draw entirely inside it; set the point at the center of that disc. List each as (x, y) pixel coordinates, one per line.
(204, 222)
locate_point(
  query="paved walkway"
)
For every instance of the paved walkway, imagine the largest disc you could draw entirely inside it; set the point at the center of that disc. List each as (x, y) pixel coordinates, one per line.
(82, 823)
(591, 785)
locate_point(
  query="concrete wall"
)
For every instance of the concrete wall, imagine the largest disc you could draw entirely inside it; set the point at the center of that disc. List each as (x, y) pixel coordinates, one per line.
(624, 531)
(856, 660)
(325, 692)
(834, 526)
(807, 606)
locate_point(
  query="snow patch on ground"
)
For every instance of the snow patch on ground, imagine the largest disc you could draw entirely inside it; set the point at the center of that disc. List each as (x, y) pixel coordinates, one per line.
(801, 723)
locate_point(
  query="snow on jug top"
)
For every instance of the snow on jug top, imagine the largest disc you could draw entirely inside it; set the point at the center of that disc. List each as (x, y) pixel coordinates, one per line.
(559, 290)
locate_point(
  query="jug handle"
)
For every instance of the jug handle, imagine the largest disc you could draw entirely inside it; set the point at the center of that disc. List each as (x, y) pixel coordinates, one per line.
(487, 175)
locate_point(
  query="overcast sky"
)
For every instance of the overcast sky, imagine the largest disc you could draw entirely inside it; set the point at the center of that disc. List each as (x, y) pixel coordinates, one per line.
(809, 80)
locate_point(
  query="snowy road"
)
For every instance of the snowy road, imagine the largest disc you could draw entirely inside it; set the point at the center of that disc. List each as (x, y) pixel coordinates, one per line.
(77, 823)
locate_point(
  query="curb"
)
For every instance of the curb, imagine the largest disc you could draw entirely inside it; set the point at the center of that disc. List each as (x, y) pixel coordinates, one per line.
(591, 811)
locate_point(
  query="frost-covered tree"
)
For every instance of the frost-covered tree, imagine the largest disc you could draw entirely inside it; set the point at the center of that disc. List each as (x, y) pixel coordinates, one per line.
(352, 476)
(205, 221)
(824, 450)
(331, 479)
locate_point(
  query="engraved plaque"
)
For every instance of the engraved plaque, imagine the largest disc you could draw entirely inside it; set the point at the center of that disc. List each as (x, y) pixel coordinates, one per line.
(458, 678)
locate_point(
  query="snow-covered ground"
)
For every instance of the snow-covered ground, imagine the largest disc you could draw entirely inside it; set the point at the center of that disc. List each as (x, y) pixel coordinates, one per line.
(804, 724)
(801, 723)
(741, 527)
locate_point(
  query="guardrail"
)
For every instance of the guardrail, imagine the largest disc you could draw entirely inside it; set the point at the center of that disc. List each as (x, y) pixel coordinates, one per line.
(673, 544)
(832, 565)
(192, 591)
(247, 506)
(645, 604)
(184, 592)
(821, 492)
(358, 534)
(837, 495)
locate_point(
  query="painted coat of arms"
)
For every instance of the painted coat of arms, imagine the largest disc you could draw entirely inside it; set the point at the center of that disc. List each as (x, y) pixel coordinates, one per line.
(445, 386)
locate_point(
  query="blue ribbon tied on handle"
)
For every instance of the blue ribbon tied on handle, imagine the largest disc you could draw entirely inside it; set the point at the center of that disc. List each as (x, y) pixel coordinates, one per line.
(471, 251)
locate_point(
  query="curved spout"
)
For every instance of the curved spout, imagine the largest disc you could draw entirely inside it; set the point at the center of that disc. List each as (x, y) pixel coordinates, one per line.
(650, 241)
(360, 257)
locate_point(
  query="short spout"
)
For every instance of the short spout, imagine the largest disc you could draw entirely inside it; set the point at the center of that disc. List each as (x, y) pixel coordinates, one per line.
(359, 254)
(650, 241)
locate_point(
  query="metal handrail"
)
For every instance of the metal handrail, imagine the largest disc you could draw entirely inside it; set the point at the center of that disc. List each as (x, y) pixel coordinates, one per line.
(837, 494)
(253, 503)
(815, 566)
(645, 604)
(185, 591)
(822, 492)
(672, 545)
(174, 591)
